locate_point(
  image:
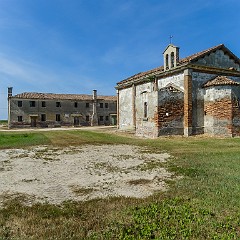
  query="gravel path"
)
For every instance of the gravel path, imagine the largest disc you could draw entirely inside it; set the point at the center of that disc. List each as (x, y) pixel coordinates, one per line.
(54, 175)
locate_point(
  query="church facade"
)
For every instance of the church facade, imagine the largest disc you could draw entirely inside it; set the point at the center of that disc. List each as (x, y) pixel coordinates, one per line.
(199, 94)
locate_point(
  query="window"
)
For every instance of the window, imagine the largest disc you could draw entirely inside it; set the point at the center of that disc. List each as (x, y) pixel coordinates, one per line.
(167, 65)
(145, 110)
(106, 118)
(172, 59)
(43, 117)
(20, 118)
(101, 118)
(58, 117)
(75, 104)
(32, 104)
(87, 118)
(58, 104)
(87, 105)
(106, 105)
(43, 104)
(19, 103)
(101, 105)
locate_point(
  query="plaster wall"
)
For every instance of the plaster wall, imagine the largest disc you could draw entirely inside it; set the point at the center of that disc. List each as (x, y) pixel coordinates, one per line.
(68, 110)
(198, 92)
(125, 120)
(177, 80)
(218, 110)
(146, 125)
(218, 59)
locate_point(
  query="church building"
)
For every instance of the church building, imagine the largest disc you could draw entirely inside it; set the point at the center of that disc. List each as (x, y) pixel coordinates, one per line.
(199, 94)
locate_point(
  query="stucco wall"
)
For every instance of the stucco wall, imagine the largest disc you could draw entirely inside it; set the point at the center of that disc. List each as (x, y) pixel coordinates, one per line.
(198, 79)
(218, 110)
(146, 125)
(218, 59)
(67, 111)
(125, 120)
(177, 80)
(200, 99)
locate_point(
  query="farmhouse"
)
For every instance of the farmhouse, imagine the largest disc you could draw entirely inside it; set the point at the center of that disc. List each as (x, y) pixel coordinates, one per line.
(54, 110)
(194, 95)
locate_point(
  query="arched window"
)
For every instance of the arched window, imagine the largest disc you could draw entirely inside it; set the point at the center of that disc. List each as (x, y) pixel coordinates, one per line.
(172, 59)
(166, 61)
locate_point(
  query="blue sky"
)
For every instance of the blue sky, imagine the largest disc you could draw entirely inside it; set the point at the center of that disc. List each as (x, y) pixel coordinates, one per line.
(75, 46)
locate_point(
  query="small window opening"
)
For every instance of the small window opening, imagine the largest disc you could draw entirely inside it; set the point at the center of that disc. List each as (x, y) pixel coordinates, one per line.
(58, 104)
(58, 117)
(32, 103)
(87, 105)
(43, 104)
(75, 104)
(20, 118)
(43, 117)
(19, 103)
(101, 105)
(172, 59)
(167, 64)
(145, 110)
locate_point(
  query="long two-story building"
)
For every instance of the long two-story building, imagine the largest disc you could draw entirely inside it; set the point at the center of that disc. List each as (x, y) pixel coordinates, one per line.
(32, 109)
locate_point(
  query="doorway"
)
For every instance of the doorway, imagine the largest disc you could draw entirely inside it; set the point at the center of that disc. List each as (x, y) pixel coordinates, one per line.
(33, 121)
(76, 121)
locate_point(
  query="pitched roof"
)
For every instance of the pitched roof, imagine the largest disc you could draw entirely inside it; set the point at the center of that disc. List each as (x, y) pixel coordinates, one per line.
(198, 55)
(220, 81)
(55, 96)
(182, 61)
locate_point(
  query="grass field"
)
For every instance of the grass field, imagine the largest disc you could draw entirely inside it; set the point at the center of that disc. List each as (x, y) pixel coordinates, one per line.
(204, 204)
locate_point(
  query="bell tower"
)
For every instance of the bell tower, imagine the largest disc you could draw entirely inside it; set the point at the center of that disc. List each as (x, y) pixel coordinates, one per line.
(170, 57)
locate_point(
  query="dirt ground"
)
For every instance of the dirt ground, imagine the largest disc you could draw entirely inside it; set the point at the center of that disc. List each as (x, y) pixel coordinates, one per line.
(54, 175)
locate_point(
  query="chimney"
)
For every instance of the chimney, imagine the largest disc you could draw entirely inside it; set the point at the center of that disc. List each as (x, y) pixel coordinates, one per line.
(94, 119)
(94, 95)
(10, 91)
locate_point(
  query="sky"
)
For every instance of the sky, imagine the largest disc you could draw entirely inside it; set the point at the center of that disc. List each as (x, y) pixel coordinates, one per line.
(75, 46)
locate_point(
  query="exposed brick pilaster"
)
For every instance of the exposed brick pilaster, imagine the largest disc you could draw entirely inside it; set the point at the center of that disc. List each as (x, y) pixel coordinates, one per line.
(187, 102)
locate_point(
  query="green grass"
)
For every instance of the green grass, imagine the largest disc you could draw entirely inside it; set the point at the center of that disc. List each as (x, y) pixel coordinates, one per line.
(204, 204)
(18, 140)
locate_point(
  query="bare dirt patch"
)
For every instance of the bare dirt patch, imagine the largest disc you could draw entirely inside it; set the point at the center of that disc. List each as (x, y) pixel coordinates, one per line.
(54, 175)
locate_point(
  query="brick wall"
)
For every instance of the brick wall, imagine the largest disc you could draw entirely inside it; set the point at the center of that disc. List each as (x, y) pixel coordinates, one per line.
(220, 109)
(222, 113)
(169, 115)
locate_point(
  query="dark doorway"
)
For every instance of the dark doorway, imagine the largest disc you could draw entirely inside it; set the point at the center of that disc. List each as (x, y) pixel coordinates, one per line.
(33, 121)
(76, 121)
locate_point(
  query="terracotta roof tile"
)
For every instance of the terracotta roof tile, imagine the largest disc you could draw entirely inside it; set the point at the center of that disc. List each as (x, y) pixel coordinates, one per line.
(220, 81)
(199, 54)
(55, 96)
(141, 74)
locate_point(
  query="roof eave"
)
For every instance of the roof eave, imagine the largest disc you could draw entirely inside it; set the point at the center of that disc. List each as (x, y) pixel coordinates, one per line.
(146, 77)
